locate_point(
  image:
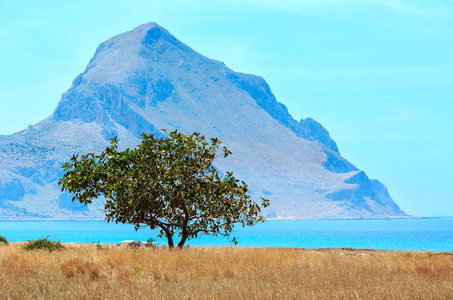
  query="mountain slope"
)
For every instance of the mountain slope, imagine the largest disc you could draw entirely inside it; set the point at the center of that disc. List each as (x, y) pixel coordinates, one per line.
(145, 80)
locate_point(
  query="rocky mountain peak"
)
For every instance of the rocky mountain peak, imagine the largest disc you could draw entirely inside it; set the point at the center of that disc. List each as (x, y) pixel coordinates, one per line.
(144, 80)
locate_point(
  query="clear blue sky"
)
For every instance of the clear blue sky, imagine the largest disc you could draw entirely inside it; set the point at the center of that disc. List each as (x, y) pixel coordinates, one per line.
(378, 74)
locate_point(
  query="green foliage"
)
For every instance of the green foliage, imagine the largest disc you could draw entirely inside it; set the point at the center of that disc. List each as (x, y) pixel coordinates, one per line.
(99, 246)
(3, 240)
(134, 245)
(151, 243)
(408, 255)
(43, 244)
(167, 183)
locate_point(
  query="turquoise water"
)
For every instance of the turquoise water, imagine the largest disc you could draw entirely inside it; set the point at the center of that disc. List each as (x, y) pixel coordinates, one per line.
(413, 234)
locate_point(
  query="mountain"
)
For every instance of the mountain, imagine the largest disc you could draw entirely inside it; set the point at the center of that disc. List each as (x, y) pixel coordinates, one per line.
(145, 80)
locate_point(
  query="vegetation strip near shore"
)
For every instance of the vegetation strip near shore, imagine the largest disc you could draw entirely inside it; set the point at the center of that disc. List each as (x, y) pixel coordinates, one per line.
(99, 272)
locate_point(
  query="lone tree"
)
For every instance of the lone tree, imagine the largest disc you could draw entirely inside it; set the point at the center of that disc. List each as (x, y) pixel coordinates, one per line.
(168, 183)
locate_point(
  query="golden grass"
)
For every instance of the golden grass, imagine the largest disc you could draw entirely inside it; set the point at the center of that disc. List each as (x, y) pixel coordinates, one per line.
(85, 272)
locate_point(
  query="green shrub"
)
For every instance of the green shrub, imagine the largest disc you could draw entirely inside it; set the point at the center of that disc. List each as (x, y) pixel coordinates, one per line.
(3, 240)
(408, 255)
(151, 242)
(99, 246)
(44, 244)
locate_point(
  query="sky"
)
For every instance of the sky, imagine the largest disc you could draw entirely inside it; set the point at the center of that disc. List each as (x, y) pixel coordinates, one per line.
(378, 74)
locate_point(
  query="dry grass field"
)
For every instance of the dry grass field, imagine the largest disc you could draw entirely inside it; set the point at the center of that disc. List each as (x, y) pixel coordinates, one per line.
(87, 272)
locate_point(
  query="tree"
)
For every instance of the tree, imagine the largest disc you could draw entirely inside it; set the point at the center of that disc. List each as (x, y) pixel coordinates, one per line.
(167, 183)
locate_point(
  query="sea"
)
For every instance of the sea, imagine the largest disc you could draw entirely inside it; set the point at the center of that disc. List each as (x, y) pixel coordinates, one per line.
(429, 234)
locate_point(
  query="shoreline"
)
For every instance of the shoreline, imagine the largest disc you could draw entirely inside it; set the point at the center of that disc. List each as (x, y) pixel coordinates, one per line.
(332, 249)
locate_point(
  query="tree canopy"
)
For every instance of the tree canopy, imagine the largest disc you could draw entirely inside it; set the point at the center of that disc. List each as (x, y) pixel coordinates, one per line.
(168, 183)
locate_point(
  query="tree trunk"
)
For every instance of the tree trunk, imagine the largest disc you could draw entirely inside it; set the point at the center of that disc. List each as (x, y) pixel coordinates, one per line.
(184, 233)
(169, 236)
(170, 241)
(183, 239)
